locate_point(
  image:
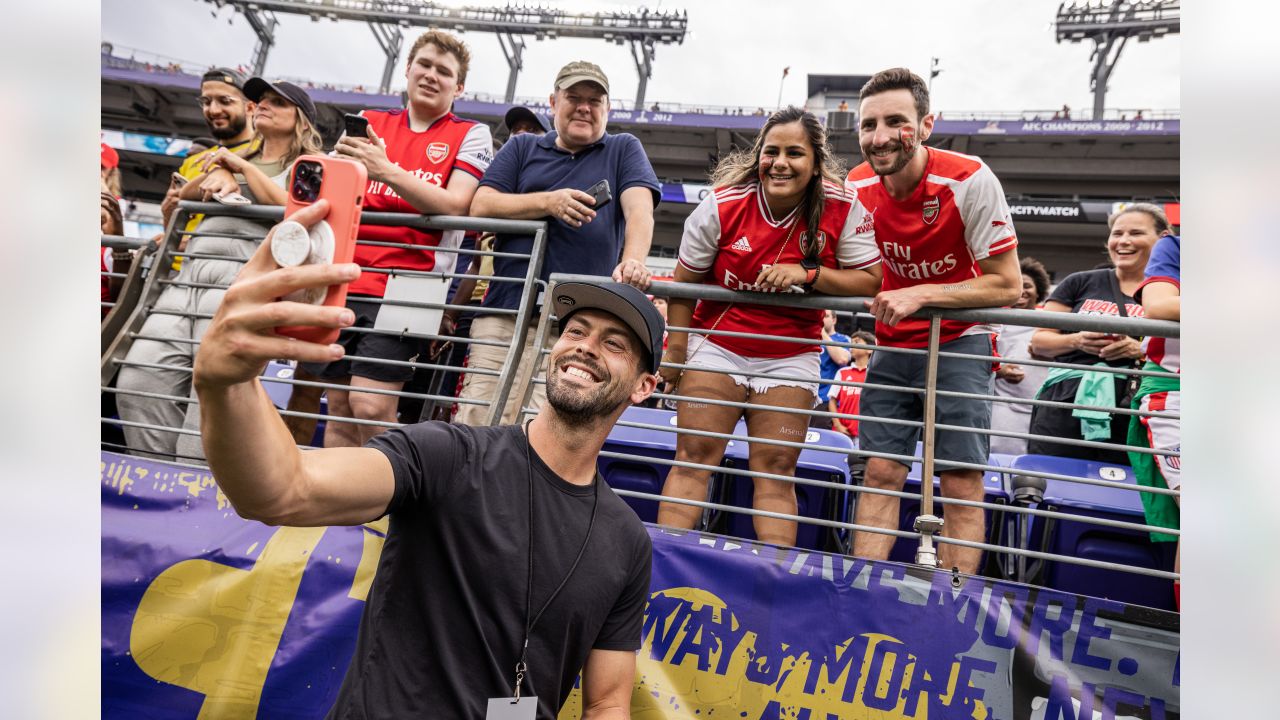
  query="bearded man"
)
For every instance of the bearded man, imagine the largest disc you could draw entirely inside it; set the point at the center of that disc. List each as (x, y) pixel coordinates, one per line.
(509, 566)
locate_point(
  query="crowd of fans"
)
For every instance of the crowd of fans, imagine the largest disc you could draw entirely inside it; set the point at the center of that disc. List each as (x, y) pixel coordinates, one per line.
(784, 217)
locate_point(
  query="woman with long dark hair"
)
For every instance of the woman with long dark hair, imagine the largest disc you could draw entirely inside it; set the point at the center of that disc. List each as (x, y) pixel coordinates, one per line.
(779, 220)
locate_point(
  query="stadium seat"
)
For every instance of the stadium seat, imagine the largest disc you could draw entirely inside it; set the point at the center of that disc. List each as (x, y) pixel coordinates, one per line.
(280, 392)
(636, 474)
(995, 490)
(1095, 542)
(813, 501)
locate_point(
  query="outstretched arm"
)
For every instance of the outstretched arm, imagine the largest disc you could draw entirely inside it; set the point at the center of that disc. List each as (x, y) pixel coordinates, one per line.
(251, 452)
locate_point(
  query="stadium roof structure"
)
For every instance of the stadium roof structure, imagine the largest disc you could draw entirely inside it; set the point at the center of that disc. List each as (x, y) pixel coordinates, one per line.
(643, 29)
(1062, 176)
(836, 84)
(1109, 26)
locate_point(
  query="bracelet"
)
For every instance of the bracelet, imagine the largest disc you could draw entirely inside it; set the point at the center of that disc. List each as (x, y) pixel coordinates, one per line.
(811, 278)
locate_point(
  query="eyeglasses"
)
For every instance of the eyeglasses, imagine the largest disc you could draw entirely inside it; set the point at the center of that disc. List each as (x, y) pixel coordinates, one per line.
(225, 101)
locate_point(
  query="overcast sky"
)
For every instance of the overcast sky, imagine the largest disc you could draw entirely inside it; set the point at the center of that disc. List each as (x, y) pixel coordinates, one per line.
(995, 54)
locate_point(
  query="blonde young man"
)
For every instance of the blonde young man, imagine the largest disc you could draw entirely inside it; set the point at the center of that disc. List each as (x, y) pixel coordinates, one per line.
(423, 159)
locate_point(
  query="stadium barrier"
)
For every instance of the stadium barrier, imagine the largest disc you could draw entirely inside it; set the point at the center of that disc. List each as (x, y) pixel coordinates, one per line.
(154, 283)
(205, 614)
(1053, 521)
(126, 284)
(1076, 524)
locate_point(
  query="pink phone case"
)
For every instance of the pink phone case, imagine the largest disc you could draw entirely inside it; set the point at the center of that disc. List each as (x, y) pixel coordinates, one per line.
(343, 185)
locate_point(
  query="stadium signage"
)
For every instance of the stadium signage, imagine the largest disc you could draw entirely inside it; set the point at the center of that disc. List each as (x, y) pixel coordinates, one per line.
(1046, 210)
(205, 614)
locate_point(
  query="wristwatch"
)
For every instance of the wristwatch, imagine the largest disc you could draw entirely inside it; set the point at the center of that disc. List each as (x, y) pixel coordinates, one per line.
(812, 269)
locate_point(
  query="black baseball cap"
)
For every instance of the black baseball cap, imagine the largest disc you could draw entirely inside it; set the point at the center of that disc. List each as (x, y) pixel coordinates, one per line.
(622, 301)
(257, 87)
(519, 112)
(230, 76)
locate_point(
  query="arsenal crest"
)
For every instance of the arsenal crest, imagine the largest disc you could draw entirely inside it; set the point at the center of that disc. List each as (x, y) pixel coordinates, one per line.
(804, 241)
(437, 151)
(931, 207)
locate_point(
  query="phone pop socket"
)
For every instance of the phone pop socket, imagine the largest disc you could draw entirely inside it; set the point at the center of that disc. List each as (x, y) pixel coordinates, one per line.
(293, 245)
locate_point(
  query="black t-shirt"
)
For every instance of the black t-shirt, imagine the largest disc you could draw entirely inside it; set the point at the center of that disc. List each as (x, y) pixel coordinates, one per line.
(1090, 293)
(441, 631)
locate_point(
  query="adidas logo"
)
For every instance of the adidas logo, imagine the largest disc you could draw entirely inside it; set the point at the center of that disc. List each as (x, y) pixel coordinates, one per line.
(741, 244)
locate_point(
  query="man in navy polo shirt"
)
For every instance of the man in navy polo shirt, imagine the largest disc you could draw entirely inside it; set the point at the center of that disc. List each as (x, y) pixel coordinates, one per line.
(545, 177)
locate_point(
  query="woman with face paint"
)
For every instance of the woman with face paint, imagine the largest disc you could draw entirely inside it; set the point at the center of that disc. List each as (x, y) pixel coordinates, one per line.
(779, 220)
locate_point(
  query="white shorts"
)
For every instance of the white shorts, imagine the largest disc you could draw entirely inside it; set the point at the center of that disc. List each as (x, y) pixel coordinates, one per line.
(709, 356)
(1164, 434)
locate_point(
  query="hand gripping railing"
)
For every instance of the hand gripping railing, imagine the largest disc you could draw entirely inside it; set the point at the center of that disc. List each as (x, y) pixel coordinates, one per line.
(129, 326)
(928, 526)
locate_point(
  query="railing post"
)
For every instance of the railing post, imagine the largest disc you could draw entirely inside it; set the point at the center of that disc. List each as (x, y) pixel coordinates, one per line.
(119, 345)
(525, 389)
(528, 301)
(928, 524)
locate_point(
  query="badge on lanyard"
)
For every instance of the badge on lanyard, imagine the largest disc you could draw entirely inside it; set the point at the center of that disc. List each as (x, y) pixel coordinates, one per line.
(507, 708)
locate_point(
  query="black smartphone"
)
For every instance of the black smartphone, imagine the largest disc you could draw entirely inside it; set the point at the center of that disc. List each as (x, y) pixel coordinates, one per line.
(356, 125)
(600, 191)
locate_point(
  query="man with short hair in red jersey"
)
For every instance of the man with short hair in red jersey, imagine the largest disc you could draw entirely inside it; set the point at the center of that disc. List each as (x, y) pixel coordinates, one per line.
(946, 240)
(423, 159)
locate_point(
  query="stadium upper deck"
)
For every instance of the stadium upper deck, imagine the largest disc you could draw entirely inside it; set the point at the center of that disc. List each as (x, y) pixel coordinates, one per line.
(1062, 176)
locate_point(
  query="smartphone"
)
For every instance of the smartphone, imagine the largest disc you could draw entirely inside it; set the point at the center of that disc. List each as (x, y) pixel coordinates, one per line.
(600, 191)
(342, 182)
(356, 125)
(176, 180)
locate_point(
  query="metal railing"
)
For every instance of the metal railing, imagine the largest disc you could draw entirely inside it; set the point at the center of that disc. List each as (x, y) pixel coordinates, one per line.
(1012, 549)
(125, 283)
(131, 325)
(1019, 519)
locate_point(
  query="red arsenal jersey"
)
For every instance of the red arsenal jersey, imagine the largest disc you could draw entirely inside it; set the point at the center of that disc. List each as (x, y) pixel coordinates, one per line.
(732, 237)
(848, 397)
(451, 143)
(956, 217)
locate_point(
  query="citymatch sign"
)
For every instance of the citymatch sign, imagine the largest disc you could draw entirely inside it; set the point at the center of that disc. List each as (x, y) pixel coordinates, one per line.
(207, 615)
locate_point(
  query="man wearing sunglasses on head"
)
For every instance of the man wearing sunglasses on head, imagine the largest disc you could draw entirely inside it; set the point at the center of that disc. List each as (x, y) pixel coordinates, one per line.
(227, 112)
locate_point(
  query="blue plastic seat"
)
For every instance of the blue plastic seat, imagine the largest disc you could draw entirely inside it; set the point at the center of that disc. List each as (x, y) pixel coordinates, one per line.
(280, 393)
(1096, 542)
(636, 474)
(995, 490)
(812, 501)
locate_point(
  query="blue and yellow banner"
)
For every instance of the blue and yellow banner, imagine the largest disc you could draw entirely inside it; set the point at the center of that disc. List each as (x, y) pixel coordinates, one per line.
(207, 615)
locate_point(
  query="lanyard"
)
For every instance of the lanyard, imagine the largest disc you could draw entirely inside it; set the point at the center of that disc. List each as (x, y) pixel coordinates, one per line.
(521, 666)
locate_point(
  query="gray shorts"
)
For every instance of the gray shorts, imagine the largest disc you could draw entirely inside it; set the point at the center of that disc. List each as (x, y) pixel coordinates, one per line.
(969, 376)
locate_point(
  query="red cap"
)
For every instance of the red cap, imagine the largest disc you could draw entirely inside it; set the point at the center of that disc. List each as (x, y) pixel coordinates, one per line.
(110, 158)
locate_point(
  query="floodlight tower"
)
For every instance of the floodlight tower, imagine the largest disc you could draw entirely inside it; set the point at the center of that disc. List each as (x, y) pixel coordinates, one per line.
(1110, 25)
(643, 29)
